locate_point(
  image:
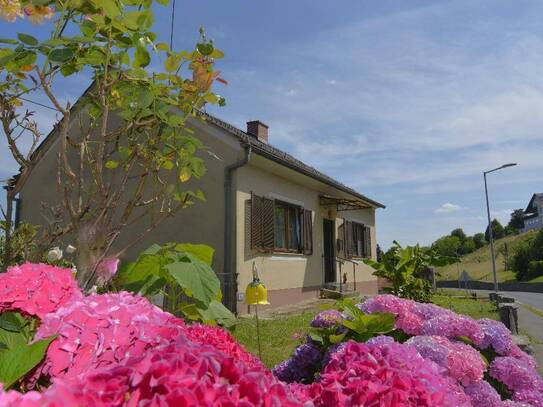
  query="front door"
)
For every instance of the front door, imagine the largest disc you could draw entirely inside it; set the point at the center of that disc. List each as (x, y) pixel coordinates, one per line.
(329, 255)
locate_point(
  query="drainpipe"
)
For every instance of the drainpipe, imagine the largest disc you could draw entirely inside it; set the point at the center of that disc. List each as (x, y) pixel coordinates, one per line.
(228, 273)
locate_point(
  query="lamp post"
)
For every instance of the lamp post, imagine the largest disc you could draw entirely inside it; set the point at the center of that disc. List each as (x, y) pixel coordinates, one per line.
(490, 224)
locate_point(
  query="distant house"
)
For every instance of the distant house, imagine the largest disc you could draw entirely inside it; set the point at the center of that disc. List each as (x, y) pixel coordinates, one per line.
(301, 228)
(533, 214)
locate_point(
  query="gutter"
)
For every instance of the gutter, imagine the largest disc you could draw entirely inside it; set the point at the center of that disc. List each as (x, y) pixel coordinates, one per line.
(229, 275)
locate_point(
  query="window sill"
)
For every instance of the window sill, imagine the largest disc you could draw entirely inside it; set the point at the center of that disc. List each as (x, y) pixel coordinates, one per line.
(280, 256)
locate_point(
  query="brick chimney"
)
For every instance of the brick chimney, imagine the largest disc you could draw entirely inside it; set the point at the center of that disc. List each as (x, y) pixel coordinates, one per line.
(258, 129)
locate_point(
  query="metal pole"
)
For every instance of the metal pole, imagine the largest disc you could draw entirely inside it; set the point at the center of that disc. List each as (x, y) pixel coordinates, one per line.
(258, 329)
(491, 238)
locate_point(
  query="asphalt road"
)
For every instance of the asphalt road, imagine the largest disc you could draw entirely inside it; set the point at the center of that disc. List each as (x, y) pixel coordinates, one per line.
(533, 299)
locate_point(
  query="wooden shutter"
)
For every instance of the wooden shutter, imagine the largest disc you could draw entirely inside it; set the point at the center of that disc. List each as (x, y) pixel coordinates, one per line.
(348, 238)
(256, 222)
(307, 232)
(268, 225)
(262, 223)
(367, 242)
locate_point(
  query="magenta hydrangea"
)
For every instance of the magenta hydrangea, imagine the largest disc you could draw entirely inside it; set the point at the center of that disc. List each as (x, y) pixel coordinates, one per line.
(37, 289)
(182, 373)
(387, 374)
(100, 330)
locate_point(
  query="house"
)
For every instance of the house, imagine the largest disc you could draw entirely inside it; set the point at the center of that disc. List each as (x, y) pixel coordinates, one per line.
(533, 214)
(303, 230)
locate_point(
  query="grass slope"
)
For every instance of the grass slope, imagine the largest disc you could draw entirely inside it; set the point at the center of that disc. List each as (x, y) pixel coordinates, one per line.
(479, 265)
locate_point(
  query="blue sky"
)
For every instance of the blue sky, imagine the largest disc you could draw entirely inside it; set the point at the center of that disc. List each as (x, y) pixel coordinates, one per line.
(407, 102)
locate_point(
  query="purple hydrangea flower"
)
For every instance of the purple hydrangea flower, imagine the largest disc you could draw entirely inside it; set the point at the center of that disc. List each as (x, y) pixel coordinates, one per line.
(496, 335)
(327, 319)
(515, 374)
(482, 394)
(302, 365)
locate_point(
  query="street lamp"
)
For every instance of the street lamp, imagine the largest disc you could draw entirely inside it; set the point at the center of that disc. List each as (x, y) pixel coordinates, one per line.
(490, 224)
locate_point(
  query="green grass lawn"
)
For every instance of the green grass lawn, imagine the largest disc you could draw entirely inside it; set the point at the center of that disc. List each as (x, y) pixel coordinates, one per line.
(479, 263)
(281, 335)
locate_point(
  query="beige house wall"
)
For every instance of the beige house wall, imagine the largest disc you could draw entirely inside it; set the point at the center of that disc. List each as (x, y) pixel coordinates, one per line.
(292, 277)
(201, 223)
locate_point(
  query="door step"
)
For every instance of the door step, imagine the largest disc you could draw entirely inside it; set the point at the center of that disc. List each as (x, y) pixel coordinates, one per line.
(336, 294)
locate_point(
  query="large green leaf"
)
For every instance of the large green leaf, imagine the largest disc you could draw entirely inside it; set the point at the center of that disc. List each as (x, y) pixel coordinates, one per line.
(19, 360)
(27, 39)
(218, 312)
(196, 278)
(144, 277)
(201, 251)
(12, 339)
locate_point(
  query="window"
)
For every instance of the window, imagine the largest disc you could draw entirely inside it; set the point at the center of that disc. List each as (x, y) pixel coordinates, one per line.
(357, 239)
(288, 227)
(277, 226)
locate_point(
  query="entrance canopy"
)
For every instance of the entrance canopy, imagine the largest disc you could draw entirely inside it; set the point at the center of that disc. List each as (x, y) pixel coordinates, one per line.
(343, 204)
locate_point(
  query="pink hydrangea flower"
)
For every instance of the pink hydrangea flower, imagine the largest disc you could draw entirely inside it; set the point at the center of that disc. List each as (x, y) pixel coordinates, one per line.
(37, 289)
(222, 341)
(106, 270)
(100, 330)
(462, 362)
(179, 374)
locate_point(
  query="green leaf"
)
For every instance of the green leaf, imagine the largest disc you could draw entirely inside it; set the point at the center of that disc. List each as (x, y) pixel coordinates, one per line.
(217, 54)
(61, 54)
(218, 312)
(141, 57)
(202, 252)
(10, 322)
(205, 48)
(196, 278)
(111, 164)
(109, 6)
(27, 39)
(172, 63)
(12, 339)
(337, 338)
(8, 41)
(144, 276)
(18, 361)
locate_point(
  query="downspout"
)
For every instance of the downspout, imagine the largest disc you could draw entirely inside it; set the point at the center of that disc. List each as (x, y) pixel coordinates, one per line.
(228, 273)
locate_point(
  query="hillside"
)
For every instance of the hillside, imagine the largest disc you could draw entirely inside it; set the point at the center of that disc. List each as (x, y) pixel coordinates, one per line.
(479, 265)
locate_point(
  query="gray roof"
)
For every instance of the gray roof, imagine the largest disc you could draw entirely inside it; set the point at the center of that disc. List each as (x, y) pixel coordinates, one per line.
(530, 208)
(268, 151)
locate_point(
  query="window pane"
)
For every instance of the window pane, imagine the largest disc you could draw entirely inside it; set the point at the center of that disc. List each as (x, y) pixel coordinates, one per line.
(280, 226)
(293, 229)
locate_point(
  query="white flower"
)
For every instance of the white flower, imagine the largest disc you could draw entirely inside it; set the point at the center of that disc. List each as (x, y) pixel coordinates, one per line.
(54, 254)
(70, 249)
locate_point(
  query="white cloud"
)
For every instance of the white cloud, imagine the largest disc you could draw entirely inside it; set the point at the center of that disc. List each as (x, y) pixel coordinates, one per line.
(448, 208)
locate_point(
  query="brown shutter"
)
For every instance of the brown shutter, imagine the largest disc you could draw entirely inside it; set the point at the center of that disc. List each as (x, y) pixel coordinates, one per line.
(307, 236)
(348, 231)
(268, 225)
(367, 242)
(256, 222)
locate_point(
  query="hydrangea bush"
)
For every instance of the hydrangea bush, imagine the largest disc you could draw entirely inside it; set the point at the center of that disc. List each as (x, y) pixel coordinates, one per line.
(433, 357)
(119, 349)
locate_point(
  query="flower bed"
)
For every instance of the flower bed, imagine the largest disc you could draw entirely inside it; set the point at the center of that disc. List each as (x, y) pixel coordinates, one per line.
(121, 350)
